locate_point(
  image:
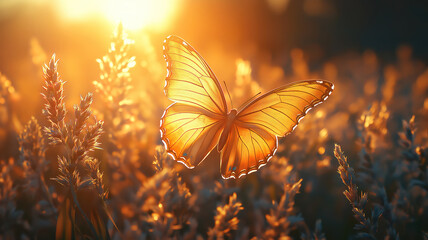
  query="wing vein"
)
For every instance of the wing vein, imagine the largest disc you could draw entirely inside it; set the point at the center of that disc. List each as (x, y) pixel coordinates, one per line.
(299, 91)
(190, 129)
(191, 68)
(182, 80)
(200, 106)
(285, 115)
(254, 148)
(245, 145)
(185, 144)
(275, 118)
(286, 95)
(177, 120)
(314, 88)
(263, 141)
(187, 90)
(182, 69)
(191, 120)
(261, 124)
(186, 58)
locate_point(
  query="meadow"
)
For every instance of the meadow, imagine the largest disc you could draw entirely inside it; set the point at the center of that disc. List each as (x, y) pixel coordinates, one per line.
(93, 166)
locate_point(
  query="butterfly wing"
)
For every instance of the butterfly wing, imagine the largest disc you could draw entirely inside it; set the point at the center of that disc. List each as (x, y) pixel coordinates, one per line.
(189, 79)
(190, 127)
(189, 133)
(253, 139)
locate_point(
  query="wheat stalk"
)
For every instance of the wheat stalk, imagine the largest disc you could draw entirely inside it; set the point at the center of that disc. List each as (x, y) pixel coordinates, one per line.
(32, 149)
(78, 138)
(357, 201)
(280, 219)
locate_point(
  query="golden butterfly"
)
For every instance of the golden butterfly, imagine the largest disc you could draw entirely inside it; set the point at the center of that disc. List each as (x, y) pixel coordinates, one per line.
(200, 119)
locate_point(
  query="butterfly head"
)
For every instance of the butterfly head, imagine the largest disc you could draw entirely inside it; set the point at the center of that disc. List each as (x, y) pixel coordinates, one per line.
(232, 114)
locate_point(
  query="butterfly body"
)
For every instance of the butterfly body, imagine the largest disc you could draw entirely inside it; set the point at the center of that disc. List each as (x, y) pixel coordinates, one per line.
(225, 133)
(199, 119)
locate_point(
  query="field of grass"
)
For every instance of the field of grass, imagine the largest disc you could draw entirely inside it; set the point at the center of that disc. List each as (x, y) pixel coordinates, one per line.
(355, 167)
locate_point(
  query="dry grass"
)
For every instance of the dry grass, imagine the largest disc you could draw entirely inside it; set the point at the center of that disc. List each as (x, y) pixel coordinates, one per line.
(78, 172)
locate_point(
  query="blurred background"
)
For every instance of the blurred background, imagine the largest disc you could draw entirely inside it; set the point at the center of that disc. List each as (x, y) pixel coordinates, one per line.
(375, 52)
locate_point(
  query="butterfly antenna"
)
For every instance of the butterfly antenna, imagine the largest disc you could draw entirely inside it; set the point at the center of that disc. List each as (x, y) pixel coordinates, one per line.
(227, 90)
(249, 100)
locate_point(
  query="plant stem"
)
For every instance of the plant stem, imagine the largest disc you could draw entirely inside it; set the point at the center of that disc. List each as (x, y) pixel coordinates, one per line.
(73, 193)
(46, 191)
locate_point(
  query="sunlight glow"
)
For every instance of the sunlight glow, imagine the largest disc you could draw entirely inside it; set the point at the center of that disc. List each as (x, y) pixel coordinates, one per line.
(134, 14)
(78, 9)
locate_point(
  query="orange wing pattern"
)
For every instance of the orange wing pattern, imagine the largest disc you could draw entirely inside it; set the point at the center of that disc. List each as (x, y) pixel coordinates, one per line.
(189, 79)
(189, 133)
(253, 140)
(247, 149)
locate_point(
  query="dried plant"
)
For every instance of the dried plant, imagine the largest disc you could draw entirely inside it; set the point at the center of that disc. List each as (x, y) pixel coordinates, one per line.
(280, 171)
(113, 87)
(7, 95)
(9, 123)
(164, 199)
(123, 120)
(35, 166)
(358, 200)
(75, 167)
(375, 120)
(373, 133)
(54, 110)
(33, 148)
(318, 233)
(381, 214)
(10, 216)
(410, 198)
(226, 219)
(281, 219)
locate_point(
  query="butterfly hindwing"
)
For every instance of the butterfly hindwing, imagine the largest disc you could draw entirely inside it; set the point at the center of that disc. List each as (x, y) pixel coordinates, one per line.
(247, 148)
(257, 126)
(189, 79)
(189, 133)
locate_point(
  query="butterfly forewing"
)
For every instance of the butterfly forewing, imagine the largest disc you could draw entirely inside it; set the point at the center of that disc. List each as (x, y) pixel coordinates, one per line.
(272, 115)
(191, 126)
(189, 79)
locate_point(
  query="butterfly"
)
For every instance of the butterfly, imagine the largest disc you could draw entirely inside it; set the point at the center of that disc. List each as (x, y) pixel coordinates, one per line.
(200, 119)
